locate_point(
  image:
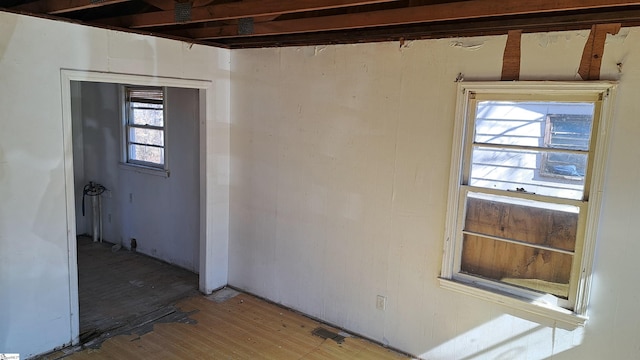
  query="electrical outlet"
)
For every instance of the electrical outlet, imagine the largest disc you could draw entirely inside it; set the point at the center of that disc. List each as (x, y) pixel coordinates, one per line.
(381, 302)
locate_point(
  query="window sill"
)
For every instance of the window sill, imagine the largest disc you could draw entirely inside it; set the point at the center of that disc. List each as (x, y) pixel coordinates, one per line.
(144, 169)
(561, 316)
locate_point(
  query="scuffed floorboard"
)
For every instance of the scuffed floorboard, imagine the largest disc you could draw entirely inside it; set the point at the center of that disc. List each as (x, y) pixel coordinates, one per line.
(135, 307)
(117, 289)
(240, 327)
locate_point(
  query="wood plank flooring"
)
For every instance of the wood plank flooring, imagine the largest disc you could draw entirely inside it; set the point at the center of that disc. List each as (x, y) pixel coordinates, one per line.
(135, 307)
(117, 288)
(241, 327)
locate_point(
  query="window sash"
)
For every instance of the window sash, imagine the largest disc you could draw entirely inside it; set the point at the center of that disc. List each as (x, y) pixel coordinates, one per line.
(153, 129)
(599, 93)
(530, 294)
(138, 161)
(512, 169)
(469, 144)
(136, 98)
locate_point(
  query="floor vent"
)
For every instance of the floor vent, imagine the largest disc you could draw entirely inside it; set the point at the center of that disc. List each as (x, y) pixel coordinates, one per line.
(327, 334)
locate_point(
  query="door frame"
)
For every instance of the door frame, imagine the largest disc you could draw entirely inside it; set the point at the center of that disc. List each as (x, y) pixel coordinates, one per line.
(206, 282)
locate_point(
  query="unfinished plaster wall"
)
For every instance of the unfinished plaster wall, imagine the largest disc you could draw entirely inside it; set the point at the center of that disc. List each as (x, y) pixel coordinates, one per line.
(36, 285)
(161, 212)
(339, 177)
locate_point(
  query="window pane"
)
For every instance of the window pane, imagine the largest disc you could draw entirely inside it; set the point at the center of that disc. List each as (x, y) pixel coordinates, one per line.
(146, 105)
(533, 222)
(569, 131)
(548, 173)
(144, 114)
(541, 124)
(564, 166)
(145, 153)
(536, 269)
(146, 136)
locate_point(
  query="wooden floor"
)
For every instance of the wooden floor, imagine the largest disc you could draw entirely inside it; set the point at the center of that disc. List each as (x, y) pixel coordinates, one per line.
(225, 325)
(240, 327)
(117, 289)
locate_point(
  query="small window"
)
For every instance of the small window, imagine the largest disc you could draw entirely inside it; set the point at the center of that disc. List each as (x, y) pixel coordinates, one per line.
(525, 192)
(566, 131)
(145, 126)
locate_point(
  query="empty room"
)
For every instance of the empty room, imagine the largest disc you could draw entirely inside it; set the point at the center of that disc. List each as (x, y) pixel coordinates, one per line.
(323, 179)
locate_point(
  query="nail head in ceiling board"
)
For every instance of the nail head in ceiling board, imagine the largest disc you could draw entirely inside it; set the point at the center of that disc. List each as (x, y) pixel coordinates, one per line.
(594, 50)
(245, 26)
(511, 58)
(182, 11)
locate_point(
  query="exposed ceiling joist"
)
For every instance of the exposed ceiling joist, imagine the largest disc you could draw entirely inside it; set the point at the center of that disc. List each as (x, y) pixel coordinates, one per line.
(442, 29)
(197, 3)
(62, 6)
(162, 4)
(258, 23)
(234, 10)
(465, 10)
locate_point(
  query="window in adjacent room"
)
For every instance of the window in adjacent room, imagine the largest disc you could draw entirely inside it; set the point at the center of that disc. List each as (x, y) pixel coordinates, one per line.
(525, 194)
(566, 131)
(145, 128)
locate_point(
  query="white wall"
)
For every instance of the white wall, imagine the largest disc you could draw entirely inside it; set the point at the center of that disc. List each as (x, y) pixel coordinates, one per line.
(340, 161)
(160, 212)
(36, 294)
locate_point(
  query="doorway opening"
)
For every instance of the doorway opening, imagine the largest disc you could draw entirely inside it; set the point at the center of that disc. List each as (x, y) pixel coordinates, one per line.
(139, 234)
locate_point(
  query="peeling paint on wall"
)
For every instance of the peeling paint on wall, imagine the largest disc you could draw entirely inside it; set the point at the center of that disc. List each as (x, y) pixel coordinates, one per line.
(618, 38)
(544, 40)
(467, 44)
(405, 44)
(311, 51)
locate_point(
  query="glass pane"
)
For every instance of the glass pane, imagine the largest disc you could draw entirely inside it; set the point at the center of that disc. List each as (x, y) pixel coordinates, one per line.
(569, 131)
(145, 105)
(146, 153)
(147, 114)
(534, 222)
(532, 268)
(541, 124)
(548, 173)
(146, 136)
(564, 166)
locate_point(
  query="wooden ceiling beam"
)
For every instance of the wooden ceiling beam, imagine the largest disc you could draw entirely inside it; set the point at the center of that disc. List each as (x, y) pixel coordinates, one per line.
(62, 6)
(171, 4)
(233, 10)
(464, 10)
(479, 27)
(197, 3)
(162, 4)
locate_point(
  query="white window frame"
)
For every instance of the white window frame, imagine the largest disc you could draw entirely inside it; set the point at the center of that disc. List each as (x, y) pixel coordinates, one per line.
(138, 165)
(532, 302)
